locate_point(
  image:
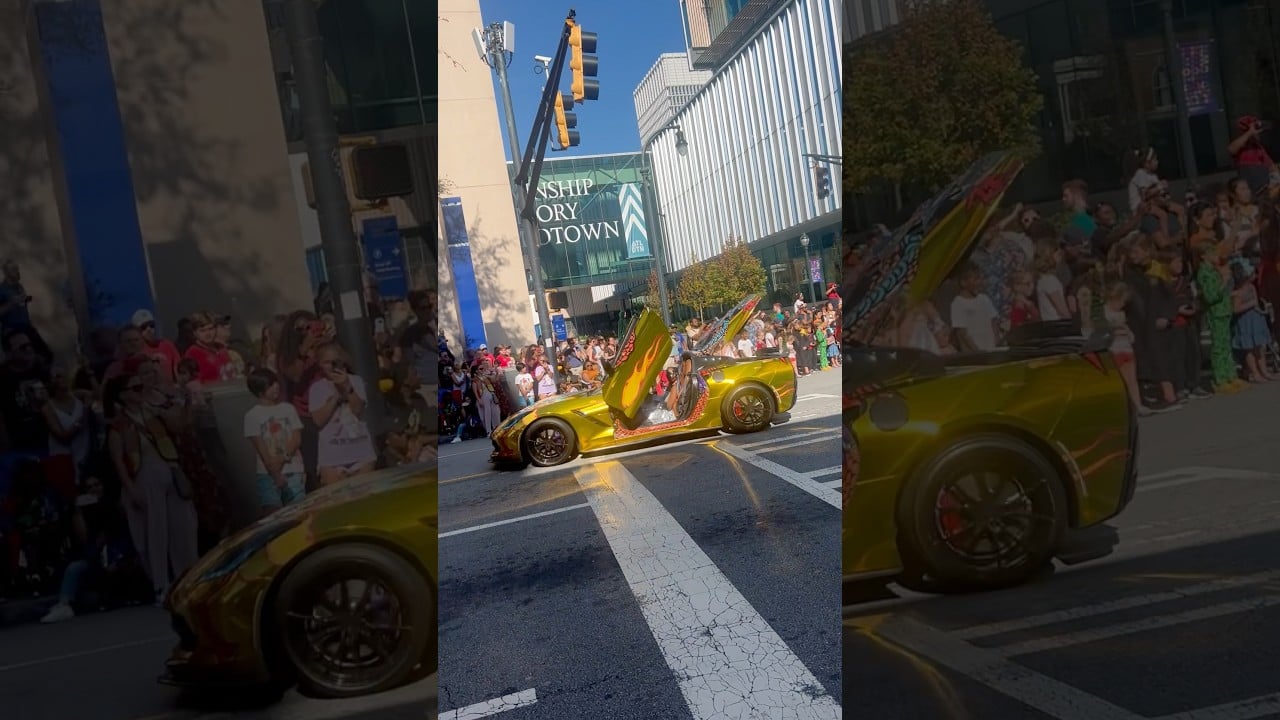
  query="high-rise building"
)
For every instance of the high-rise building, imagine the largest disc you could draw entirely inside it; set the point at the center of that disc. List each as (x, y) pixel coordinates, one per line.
(668, 85)
(750, 156)
(865, 17)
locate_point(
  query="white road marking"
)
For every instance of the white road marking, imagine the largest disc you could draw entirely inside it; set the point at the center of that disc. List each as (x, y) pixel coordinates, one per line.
(786, 438)
(1187, 476)
(833, 435)
(833, 484)
(816, 396)
(1108, 632)
(1110, 606)
(727, 659)
(508, 521)
(1248, 709)
(824, 471)
(1049, 696)
(492, 707)
(87, 653)
(800, 480)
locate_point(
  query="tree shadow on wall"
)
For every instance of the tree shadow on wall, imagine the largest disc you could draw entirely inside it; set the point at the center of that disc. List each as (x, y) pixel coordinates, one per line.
(192, 173)
(510, 314)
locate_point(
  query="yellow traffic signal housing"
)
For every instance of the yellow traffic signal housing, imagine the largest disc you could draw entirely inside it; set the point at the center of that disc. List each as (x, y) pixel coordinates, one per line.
(583, 63)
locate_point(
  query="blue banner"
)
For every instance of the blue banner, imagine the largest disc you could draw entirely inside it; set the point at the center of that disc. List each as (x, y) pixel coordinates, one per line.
(384, 256)
(631, 204)
(105, 237)
(559, 328)
(470, 311)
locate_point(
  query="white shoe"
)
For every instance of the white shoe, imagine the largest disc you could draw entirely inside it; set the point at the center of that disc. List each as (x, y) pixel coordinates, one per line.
(58, 613)
(455, 439)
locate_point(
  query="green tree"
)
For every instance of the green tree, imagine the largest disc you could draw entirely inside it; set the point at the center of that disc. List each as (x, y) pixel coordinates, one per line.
(742, 272)
(938, 91)
(700, 286)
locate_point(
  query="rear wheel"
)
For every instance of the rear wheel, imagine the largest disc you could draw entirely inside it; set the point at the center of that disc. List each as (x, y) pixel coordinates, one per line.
(748, 408)
(987, 512)
(549, 441)
(354, 620)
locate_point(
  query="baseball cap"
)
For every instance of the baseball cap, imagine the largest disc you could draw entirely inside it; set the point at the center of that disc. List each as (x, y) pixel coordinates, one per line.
(142, 317)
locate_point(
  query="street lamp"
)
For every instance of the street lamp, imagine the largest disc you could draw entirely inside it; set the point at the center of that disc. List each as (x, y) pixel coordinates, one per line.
(682, 147)
(808, 276)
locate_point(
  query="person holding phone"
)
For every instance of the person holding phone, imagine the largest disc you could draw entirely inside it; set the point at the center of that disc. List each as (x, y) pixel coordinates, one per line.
(13, 298)
(337, 401)
(1250, 156)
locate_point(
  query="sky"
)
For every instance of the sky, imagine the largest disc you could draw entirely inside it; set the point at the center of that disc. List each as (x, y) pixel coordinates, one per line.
(631, 36)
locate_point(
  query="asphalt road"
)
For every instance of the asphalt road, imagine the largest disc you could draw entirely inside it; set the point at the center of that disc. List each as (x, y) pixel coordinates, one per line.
(104, 667)
(1180, 624)
(694, 580)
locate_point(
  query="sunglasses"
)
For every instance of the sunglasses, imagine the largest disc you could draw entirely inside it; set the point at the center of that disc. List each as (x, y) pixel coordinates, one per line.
(22, 348)
(147, 326)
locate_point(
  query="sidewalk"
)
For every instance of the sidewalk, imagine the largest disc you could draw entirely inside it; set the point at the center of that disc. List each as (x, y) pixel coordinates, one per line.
(21, 611)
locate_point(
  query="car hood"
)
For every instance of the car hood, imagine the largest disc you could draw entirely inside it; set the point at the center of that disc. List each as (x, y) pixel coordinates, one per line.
(728, 325)
(911, 264)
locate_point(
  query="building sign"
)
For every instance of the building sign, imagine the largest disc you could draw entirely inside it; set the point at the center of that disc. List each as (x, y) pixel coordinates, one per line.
(560, 211)
(631, 202)
(1197, 77)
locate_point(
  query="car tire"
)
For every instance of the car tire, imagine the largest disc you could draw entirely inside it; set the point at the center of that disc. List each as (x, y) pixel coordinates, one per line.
(307, 593)
(747, 409)
(549, 441)
(961, 527)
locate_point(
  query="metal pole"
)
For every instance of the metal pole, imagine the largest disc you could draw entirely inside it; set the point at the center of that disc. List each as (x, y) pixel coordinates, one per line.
(808, 276)
(659, 259)
(1179, 95)
(528, 234)
(342, 257)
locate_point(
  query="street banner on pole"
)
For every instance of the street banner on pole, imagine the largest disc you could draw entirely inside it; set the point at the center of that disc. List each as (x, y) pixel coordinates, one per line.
(1197, 77)
(464, 274)
(384, 256)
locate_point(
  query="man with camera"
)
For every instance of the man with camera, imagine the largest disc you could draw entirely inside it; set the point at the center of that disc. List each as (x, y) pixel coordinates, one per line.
(1251, 158)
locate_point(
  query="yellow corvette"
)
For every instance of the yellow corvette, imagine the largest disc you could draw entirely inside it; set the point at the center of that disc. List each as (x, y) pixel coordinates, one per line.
(707, 394)
(336, 593)
(972, 471)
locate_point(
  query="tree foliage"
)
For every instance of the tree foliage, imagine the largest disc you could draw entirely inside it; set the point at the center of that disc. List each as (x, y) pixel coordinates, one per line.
(701, 285)
(741, 272)
(939, 90)
(652, 296)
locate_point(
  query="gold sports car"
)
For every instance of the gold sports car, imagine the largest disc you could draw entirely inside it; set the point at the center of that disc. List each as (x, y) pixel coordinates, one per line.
(336, 593)
(972, 471)
(707, 393)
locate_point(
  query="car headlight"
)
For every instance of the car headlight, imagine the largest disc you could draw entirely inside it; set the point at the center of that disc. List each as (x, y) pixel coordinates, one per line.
(236, 556)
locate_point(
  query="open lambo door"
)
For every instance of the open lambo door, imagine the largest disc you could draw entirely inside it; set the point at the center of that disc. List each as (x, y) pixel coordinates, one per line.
(642, 353)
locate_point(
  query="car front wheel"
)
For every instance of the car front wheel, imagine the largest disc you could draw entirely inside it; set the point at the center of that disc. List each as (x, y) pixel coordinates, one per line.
(549, 441)
(355, 620)
(985, 513)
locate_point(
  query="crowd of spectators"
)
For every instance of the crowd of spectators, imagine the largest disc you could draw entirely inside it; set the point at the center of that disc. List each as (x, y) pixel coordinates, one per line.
(1186, 287)
(113, 478)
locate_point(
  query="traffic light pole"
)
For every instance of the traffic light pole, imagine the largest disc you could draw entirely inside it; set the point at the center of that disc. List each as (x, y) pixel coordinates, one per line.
(342, 257)
(528, 233)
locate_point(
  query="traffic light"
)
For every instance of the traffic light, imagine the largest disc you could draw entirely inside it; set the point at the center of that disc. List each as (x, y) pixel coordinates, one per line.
(584, 66)
(822, 181)
(565, 120)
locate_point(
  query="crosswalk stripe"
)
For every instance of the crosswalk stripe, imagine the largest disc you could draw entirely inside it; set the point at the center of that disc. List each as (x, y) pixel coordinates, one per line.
(726, 658)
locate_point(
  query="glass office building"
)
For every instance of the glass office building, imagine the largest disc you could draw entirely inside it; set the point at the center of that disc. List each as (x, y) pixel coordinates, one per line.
(383, 85)
(754, 136)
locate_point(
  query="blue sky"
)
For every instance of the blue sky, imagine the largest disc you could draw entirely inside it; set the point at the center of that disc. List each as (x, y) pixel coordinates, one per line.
(631, 36)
